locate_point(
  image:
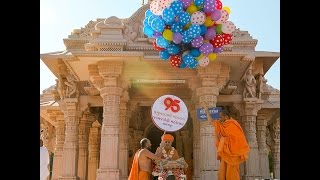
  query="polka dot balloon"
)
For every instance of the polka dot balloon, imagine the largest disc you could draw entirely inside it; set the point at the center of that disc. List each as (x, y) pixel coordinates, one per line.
(190, 33)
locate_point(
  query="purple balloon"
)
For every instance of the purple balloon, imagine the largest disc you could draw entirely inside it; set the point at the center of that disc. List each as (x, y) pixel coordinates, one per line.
(206, 48)
(156, 34)
(218, 50)
(209, 6)
(216, 15)
(210, 34)
(177, 38)
(186, 3)
(197, 42)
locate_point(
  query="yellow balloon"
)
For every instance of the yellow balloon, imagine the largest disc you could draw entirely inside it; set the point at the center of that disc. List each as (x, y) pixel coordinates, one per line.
(167, 34)
(187, 26)
(212, 56)
(191, 9)
(226, 8)
(199, 57)
(208, 22)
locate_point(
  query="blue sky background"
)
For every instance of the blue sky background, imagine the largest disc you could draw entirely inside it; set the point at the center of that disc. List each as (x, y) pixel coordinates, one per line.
(59, 17)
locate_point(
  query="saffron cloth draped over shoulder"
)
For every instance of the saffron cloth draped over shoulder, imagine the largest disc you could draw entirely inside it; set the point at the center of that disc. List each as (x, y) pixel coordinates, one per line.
(134, 173)
(232, 145)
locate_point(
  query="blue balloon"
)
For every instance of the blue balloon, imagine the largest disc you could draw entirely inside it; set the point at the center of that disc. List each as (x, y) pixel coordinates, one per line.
(185, 37)
(173, 49)
(162, 42)
(195, 52)
(148, 31)
(145, 22)
(183, 65)
(177, 7)
(194, 31)
(193, 65)
(203, 30)
(157, 25)
(188, 59)
(176, 27)
(164, 55)
(198, 2)
(184, 18)
(168, 15)
(148, 13)
(150, 18)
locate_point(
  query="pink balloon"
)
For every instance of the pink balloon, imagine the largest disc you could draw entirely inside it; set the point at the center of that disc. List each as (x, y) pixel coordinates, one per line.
(198, 18)
(224, 17)
(228, 27)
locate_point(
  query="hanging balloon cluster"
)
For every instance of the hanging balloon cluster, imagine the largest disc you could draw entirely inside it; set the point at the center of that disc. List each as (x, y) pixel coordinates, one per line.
(188, 32)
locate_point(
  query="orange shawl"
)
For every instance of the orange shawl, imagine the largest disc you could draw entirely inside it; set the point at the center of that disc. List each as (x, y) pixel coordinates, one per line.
(134, 173)
(232, 147)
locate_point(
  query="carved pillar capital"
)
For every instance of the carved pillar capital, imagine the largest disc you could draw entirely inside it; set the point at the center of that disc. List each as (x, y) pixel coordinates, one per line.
(249, 106)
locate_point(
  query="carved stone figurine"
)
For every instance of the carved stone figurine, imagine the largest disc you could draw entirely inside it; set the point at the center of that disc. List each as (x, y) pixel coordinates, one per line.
(60, 87)
(260, 80)
(71, 87)
(249, 85)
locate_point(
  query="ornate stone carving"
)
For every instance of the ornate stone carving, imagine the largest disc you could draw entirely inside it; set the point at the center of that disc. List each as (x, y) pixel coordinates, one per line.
(238, 34)
(71, 87)
(131, 32)
(276, 131)
(48, 136)
(250, 85)
(261, 81)
(60, 87)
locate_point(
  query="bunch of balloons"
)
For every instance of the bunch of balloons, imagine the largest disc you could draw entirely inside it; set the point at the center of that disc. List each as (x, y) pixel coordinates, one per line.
(188, 32)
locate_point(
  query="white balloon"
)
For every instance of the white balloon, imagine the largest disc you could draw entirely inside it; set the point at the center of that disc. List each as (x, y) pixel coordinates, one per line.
(203, 62)
(198, 18)
(228, 27)
(157, 6)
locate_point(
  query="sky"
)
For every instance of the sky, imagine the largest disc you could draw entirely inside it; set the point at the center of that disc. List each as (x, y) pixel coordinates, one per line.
(59, 17)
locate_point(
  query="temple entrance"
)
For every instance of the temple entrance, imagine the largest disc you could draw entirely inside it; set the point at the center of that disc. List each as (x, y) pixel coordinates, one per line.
(155, 137)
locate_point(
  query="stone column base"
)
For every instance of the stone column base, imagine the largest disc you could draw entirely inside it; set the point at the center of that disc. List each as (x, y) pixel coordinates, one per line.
(208, 175)
(69, 178)
(109, 174)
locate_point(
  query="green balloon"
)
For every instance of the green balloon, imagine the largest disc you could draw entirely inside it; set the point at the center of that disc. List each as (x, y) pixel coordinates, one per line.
(218, 29)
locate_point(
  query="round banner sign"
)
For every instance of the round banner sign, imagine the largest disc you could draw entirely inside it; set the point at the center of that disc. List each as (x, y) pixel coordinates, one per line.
(169, 113)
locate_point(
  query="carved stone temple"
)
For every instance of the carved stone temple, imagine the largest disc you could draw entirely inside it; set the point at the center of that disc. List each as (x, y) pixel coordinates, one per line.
(108, 77)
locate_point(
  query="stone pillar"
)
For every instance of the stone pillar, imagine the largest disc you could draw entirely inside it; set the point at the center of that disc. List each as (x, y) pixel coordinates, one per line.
(138, 135)
(71, 143)
(209, 165)
(94, 146)
(187, 144)
(196, 145)
(109, 147)
(248, 112)
(58, 149)
(276, 149)
(179, 143)
(123, 135)
(105, 76)
(84, 127)
(262, 145)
